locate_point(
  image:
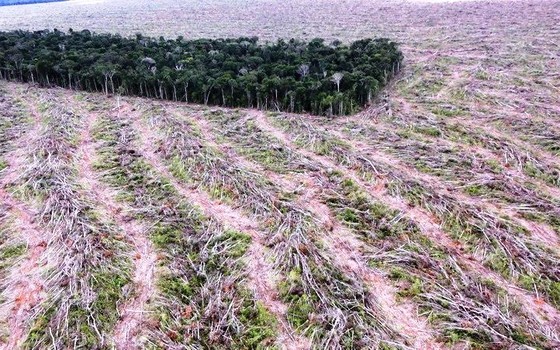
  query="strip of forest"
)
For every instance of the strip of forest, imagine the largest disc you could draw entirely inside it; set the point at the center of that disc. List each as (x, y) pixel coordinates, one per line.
(288, 75)
(25, 2)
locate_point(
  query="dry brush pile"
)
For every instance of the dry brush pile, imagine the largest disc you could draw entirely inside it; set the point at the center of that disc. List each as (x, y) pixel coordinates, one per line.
(395, 243)
(497, 238)
(346, 228)
(324, 303)
(83, 249)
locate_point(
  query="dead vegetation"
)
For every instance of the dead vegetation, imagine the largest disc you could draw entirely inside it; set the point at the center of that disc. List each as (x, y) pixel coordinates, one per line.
(22, 242)
(201, 298)
(313, 282)
(127, 331)
(87, 273)
(351, 206)
(495, 239)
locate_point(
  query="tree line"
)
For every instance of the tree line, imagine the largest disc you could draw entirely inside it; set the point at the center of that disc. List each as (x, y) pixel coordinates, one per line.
(292, 76)
(24, 2)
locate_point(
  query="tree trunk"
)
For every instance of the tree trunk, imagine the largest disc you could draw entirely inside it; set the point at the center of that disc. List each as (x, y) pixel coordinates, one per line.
(112, 84)
(206, 96)
(292, 104)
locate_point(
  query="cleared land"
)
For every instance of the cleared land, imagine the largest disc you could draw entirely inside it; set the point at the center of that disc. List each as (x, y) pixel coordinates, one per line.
(429, 221)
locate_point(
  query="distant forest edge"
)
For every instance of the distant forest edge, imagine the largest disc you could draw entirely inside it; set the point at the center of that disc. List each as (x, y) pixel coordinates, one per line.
(23, 2)
(293, 76)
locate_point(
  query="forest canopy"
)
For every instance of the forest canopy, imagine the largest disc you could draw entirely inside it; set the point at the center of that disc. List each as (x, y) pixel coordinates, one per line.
(23, 2)
(294, 76)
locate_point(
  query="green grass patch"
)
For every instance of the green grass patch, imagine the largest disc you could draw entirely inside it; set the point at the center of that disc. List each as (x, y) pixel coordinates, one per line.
(447, 112)
(427, 130)
(11, 251)
(477, 190)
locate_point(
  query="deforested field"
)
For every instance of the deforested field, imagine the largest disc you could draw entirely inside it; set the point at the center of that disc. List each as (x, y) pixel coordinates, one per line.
(430, 220)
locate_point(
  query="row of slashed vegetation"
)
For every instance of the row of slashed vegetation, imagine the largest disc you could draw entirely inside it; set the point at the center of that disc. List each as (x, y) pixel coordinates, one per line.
(85, 287)
(464, 306)
(532, 164)
(512, 154)
(503, 245)
(533, 125)
(537, 132)
(202, 302)
(12, 125)
(459, 167)
(12, 122)
(516, 255)
(253, 143)
(325, 303)
(540, 131)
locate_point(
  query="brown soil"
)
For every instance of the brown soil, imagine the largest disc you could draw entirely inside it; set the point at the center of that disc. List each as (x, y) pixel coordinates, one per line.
(24, 288)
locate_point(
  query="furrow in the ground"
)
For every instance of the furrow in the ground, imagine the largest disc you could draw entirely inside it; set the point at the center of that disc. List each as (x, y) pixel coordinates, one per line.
(88, 268)
(260, 272)
(529, 260)
(341, 243)
(546, 313)
(132, 312)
